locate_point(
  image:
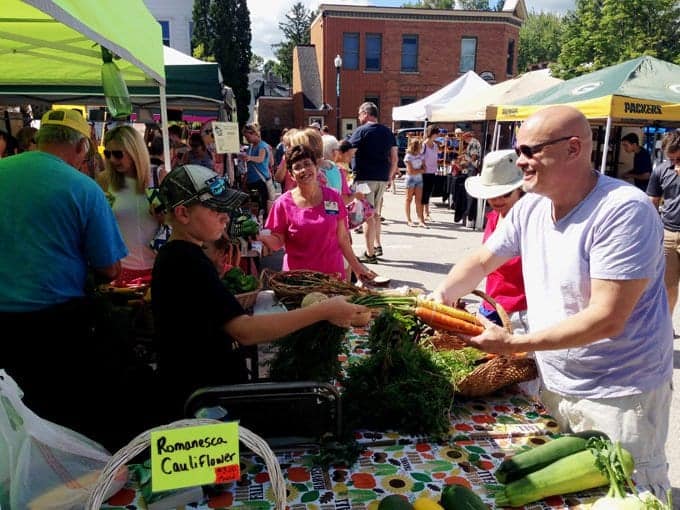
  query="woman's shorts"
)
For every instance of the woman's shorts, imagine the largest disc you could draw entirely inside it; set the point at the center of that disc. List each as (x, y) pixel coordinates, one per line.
(414, 181)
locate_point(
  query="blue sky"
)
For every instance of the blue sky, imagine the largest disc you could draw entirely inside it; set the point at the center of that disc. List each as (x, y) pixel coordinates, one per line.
(266, 14)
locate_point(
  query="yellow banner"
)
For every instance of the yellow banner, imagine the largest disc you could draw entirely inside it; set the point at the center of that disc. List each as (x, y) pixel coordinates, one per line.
(597, 108)
(618, 107)
(640, 109)
(190, 456)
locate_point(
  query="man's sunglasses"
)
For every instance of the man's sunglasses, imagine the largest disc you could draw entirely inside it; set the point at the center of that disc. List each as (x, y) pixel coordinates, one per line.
(115, 154)
(530, 150)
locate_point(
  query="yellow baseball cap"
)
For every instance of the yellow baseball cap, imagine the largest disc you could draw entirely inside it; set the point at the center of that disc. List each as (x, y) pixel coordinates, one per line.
(69, 118)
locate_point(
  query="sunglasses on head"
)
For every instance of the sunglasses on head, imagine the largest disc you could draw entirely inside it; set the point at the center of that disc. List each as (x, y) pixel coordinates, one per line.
(530, 150)
(115, 154)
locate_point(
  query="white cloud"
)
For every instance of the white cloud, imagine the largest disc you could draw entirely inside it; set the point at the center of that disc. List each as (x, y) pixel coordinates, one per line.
(265, 16)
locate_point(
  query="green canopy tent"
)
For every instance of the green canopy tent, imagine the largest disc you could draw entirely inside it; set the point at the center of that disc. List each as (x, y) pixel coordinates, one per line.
(644, 90)
(191, 85)
(57, 43)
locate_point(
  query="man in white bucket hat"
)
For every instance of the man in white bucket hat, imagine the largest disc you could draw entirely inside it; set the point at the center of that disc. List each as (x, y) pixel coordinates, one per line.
(500, 184)
(593, 268)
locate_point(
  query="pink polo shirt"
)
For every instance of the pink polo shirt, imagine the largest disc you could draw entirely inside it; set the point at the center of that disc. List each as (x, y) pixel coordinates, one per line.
(310, 233)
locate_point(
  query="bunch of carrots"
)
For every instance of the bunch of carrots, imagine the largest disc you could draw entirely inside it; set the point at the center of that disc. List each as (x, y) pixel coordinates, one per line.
(436, 315)
(447, 318)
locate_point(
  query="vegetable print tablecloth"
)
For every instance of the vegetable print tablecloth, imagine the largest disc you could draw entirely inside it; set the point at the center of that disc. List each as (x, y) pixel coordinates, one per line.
(412, 469)
(482, 432)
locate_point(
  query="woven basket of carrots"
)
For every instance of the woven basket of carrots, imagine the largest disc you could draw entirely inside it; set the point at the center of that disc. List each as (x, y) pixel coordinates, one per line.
(495, 372)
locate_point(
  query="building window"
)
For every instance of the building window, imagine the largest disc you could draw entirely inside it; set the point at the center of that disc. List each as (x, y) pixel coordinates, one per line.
(165, 29)
(510, 62)
(373, 51)
(468, 54)
(350, 50)
(409, 53)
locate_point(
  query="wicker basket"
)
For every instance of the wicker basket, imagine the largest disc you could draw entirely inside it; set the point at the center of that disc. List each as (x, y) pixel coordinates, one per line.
(141, 442)
(247, 299)
(498, 372)
(286, 287)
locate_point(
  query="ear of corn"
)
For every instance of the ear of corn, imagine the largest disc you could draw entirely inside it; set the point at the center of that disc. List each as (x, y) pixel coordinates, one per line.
(532, 460)
(574, 473)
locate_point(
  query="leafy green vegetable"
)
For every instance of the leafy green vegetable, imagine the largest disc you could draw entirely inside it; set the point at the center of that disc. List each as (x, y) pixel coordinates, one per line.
(458, 363)
(309, 354)
(237, 281)
(399, 386)
(608, 459)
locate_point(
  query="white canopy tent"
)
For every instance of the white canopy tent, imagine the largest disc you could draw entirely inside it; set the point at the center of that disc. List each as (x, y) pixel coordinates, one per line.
(479, 105)
(470, 82)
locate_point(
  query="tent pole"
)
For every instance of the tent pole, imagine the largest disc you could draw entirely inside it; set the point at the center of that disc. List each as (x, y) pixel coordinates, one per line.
(164, 128)
(605, 149)
(496, 133)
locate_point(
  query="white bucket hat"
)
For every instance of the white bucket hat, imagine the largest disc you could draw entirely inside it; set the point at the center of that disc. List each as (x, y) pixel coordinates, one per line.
(500, 175)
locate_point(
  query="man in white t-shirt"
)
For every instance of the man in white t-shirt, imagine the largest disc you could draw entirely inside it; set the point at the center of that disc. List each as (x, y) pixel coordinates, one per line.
(593, 269)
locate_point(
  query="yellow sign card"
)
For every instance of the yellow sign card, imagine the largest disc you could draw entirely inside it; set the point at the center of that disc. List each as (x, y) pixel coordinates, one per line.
(190, 456)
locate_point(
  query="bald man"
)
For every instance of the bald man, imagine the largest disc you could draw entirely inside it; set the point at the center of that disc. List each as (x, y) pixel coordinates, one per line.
(592, 262)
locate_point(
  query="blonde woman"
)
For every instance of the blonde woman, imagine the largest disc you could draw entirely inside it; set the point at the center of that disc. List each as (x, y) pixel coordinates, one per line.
(126, 177)
(415, 166)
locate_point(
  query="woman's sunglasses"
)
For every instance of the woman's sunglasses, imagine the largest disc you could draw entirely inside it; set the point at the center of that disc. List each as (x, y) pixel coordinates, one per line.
(530, 150)
(115, 154)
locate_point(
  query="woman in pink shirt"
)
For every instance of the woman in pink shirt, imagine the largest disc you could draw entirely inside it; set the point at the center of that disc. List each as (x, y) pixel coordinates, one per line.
(310, 221)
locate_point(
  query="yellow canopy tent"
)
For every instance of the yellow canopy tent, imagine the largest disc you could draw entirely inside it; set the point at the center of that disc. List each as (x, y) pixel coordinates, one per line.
(644, 90)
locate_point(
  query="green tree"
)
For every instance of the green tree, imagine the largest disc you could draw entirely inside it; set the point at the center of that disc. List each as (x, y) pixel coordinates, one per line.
(474, 5)
(268, 67)
(471, 5)
(431, 4)
(256, 63)
(296, 32)
(600, 33)
(222, 33)
(539, 39)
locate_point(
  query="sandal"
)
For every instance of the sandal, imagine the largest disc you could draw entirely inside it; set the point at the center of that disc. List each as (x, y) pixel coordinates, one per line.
(368, 259)
(378, 251)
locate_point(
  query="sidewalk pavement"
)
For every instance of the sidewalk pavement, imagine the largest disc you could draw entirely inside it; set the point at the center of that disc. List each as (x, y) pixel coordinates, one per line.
(421, 258)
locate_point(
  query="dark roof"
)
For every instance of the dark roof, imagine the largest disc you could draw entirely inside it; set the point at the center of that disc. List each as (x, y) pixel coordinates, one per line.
(309, 77)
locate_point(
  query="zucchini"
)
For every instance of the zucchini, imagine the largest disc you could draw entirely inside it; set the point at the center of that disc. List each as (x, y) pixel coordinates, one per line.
(539, 457)
(459, 497)
(574, 473)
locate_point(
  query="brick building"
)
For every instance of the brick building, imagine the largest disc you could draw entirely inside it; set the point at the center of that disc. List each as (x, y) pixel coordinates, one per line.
(394, 56)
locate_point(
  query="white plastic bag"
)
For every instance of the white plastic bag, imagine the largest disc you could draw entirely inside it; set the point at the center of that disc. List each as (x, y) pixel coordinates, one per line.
(358, 211)
(44, 465)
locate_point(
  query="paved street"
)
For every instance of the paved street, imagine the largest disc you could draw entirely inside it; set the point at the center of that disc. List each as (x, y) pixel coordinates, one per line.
(420, 257)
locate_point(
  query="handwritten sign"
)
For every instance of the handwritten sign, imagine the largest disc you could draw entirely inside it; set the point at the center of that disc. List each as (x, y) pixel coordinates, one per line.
(226, 137)
(190, 456)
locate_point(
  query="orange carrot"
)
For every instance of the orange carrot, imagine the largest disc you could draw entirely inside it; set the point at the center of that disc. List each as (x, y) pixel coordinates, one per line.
(456, 313)
(441, 321)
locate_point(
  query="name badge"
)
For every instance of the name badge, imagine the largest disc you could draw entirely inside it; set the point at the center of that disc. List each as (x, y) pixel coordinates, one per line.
(331, 207)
